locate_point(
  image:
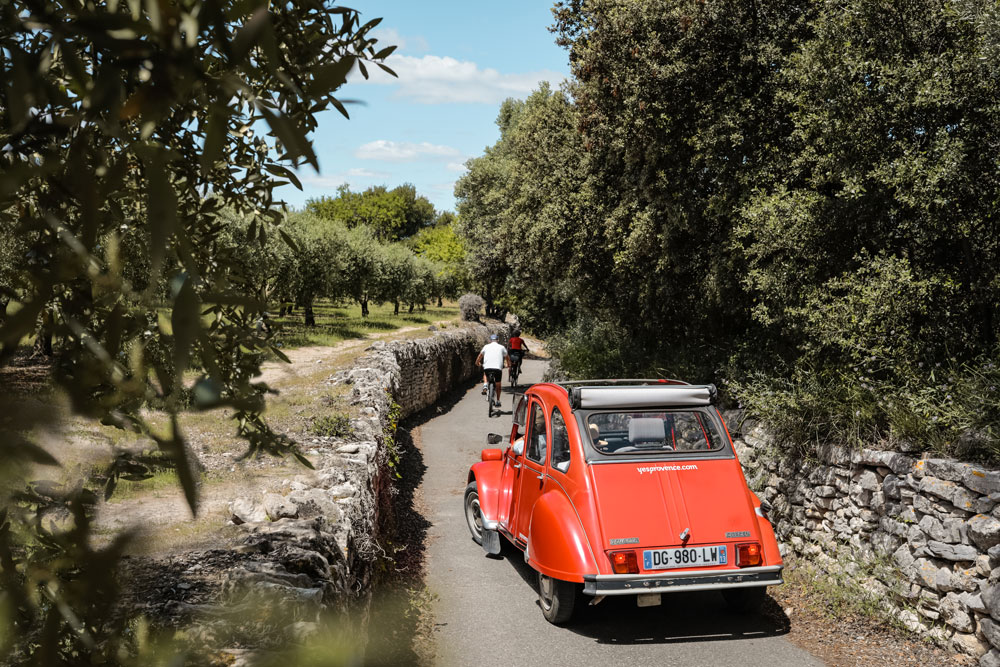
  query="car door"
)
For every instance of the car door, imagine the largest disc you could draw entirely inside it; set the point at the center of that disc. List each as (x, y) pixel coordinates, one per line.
(510, 479)
(532, 468)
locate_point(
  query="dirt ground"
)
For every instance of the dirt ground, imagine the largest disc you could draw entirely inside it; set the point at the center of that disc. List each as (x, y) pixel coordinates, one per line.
(843, 638)
(156, 507)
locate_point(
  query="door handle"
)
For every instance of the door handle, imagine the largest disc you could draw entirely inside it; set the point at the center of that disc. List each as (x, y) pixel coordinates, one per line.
(516, 466)
(542, 476)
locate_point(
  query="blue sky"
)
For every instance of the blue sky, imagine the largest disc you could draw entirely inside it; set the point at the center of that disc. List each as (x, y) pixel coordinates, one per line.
(457, 60)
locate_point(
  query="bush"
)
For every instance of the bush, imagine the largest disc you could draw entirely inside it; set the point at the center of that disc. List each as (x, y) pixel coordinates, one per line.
(470, 305)
(332, 426)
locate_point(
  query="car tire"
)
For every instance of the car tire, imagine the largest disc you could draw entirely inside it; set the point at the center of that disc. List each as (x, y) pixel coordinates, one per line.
(473, 513)
(557, 598)
(745, 600)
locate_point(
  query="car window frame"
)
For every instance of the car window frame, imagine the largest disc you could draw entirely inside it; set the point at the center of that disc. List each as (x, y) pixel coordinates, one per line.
(569, 442)
(530, 433)
(593, 455)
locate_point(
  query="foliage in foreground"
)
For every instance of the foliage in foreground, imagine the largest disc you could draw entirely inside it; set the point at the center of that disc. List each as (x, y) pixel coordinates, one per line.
(798, 201)
(126, 129)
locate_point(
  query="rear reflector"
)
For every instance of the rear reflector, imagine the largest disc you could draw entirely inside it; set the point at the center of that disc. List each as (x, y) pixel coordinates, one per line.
(624, 562)
(748, 555)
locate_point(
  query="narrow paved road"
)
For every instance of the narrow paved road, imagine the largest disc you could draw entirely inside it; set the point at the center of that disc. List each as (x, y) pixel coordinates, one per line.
(486, 612)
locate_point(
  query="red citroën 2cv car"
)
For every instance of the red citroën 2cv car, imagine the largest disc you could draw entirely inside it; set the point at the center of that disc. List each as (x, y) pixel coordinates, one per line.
(623, 488)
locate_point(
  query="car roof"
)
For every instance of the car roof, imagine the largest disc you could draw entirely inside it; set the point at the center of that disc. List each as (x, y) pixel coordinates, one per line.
(628, 393)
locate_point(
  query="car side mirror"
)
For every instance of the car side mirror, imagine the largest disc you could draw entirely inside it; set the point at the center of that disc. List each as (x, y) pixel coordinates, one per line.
(518, 447)
(494, 438)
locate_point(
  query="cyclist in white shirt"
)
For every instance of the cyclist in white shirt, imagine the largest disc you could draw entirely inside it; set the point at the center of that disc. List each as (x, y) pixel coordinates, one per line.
(493, 358)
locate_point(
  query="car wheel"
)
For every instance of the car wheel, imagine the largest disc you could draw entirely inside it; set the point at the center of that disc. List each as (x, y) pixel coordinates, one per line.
(557, 599)
(745, 600)
(473, 513)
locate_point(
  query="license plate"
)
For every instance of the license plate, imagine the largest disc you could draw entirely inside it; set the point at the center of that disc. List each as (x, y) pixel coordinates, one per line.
(663, 559)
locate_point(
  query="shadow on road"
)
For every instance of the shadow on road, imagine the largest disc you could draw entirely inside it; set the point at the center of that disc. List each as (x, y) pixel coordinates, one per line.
(682, 617)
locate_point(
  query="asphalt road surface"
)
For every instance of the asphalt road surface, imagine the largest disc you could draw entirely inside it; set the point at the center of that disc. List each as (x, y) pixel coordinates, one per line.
(486, 611)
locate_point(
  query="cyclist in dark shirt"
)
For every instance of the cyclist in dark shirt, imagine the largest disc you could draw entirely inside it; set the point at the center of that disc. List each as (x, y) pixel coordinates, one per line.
(518, 348)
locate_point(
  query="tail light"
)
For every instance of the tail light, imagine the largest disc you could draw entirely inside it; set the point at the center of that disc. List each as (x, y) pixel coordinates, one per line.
(748, 555)
(623, 562)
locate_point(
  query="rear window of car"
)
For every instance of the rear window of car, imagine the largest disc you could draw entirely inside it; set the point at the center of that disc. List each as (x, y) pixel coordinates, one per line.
(653, 432)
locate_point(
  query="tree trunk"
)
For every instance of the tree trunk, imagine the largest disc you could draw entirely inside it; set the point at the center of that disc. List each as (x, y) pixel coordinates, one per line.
(3, 309)
(395, 307)
(281, 311)
(411, 308)
(364, 306)
(310, 318)
(440, 302)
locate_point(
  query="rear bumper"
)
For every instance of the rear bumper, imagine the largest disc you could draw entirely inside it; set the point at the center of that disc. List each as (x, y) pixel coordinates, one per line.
(673, 582)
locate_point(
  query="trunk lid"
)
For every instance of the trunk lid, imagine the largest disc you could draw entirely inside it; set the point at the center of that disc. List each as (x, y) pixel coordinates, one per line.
(650, 504)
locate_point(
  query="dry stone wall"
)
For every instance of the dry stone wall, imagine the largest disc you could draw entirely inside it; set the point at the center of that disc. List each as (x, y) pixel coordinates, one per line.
(921, 535)
(318, 538)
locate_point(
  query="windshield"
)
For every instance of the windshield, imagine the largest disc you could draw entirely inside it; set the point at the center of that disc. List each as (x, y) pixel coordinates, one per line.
(653, 432)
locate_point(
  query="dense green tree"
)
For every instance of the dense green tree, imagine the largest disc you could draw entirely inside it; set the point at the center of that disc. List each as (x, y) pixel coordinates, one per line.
(519, 211)
(798, 198)
(392, 214)
(442, 246)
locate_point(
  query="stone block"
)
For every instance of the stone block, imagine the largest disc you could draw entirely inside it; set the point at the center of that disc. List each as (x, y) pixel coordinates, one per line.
(867, 480)
(911, 622)
(903, 558)
(890, 486)
(957, 495)
(984, 531)
(984, 482)
(953, 552)
(932, 528)
(927, 574)
(954, 613)
(949, 469)
(966, 579)
(991, 598)
(973, 602)
(898, 463)
(990, 630)
(892, 526)
(969, 644)
(278, 507)
(315, 502)
(244, 510)
(991, 659)
(915, 537)
(825, 503)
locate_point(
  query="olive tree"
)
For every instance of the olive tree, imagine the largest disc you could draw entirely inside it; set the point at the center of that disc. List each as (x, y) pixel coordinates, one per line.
(125, 129)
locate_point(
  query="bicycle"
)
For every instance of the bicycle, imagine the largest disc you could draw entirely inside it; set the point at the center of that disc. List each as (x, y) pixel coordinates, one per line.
(491, 400)
(515, 371)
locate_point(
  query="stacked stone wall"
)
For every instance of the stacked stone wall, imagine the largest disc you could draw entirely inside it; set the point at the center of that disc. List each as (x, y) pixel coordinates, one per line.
(919, 534)
(319, 537)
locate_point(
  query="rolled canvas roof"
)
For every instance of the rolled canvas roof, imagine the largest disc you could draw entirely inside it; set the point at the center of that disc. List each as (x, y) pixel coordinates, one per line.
(648, 396)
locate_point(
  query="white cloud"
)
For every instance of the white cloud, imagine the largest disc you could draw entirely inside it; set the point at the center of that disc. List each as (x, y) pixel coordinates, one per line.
(455, 166)
(442, 80)
(390, 36)
(405, 151)
(349, 176)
